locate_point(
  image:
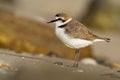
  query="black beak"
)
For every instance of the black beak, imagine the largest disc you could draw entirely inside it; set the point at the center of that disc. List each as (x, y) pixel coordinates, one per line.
(52, 21)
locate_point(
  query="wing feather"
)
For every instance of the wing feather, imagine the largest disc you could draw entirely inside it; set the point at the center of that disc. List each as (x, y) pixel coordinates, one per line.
(79, 31)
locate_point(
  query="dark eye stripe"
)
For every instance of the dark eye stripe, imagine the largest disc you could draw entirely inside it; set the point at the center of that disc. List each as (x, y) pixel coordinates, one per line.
(62, 20)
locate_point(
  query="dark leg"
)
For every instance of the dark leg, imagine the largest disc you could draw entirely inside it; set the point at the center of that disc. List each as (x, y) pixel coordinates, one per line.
(76, 58)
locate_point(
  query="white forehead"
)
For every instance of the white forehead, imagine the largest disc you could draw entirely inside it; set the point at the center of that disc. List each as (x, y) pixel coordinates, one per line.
(56, 17)
(59, 17)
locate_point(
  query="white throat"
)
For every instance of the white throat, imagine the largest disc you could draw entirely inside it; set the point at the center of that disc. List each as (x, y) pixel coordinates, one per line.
(60, 23)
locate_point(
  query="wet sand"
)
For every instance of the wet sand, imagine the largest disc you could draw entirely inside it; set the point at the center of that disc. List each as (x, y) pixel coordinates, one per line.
(33, 67)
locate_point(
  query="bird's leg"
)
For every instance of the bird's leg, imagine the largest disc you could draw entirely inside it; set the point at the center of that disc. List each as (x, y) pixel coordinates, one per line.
(76, 58)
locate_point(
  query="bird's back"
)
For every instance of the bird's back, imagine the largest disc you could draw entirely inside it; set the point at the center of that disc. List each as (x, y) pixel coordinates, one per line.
(76, 29)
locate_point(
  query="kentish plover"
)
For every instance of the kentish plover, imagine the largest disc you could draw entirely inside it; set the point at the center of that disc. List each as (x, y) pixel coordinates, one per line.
(74, 34)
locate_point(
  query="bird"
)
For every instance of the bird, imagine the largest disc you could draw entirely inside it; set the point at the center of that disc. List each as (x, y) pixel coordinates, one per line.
(74, 34)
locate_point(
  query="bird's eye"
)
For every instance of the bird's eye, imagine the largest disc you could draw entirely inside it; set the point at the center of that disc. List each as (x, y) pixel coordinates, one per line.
(57, 15)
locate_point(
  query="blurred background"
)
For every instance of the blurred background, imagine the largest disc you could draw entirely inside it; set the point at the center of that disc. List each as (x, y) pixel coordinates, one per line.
(23, 26)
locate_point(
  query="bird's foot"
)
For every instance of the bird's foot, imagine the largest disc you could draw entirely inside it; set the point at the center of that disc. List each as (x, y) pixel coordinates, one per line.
(75, 65)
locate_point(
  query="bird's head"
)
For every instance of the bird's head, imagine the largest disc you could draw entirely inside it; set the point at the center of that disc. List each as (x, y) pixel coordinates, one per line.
(60, 17)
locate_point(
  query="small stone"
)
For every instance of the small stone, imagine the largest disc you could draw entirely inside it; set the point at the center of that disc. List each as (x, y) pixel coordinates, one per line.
(80, 70)
(23, 57)
(58, 63)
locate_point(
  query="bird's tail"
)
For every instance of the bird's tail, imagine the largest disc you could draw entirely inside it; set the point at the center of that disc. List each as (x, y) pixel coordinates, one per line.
(105, 39)
(102, 38)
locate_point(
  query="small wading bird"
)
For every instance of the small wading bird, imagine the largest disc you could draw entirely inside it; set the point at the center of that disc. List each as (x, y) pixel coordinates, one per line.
(74, 34)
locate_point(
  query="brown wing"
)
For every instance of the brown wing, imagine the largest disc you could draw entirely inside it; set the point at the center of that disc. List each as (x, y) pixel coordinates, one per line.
(79, 31)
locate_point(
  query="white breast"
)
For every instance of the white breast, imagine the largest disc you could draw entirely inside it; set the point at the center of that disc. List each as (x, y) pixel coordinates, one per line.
(69, 41)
